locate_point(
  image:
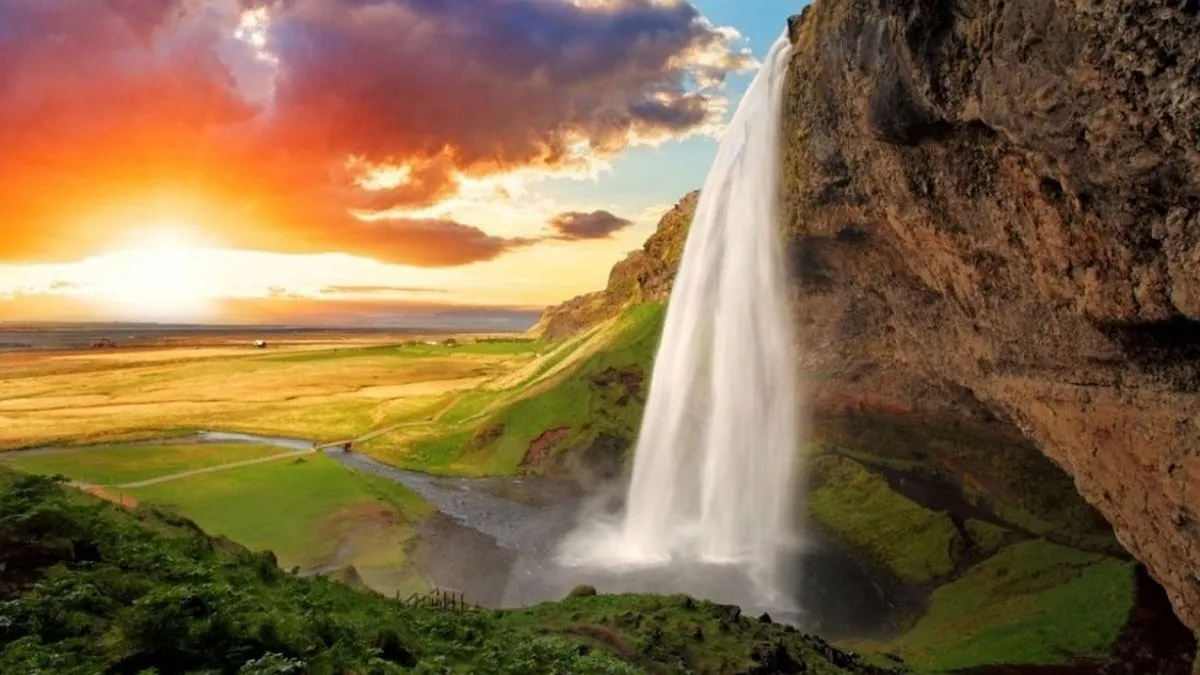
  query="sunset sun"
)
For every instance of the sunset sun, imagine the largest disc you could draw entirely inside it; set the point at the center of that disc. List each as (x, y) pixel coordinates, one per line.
(158, 273)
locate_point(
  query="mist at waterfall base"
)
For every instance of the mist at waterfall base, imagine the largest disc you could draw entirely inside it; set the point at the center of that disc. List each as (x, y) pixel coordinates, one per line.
(709, 506)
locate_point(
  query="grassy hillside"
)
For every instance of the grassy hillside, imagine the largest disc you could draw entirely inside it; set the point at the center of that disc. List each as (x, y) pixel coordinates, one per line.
(1032, 603)
(89, 587)
(579, 403)
(316, 515)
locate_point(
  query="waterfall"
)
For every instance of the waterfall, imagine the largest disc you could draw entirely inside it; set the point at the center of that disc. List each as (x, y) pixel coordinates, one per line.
(713, 479)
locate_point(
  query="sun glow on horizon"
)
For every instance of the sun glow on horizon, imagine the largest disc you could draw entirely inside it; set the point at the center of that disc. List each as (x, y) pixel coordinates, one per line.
(159, 273)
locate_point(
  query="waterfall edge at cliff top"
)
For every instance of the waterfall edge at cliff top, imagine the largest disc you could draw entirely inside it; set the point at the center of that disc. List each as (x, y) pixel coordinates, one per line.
(713, 477)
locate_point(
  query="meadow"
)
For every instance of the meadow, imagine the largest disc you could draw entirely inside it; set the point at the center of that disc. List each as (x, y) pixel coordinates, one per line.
(311, 512)
(119, 464)
(119, 423)
(322, 391)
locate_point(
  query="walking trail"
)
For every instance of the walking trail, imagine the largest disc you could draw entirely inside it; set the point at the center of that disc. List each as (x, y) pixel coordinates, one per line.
(212, 469)
(283, 455)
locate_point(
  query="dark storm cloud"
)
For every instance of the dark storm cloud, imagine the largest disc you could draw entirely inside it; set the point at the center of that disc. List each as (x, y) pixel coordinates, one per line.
(594, 225)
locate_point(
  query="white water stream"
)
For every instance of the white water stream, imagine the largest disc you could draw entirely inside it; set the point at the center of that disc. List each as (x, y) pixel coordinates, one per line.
(713, 478)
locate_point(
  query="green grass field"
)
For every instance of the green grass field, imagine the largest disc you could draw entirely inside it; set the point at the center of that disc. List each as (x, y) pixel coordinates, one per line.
(313, 514)
(421, 351)
(117, 464)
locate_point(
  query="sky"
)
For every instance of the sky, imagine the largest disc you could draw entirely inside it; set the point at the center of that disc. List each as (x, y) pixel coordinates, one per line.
(349, 161)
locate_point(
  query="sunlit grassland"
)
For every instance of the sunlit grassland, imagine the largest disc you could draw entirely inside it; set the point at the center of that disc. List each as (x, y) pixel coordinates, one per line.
(322, 395)
(117, 464)
(312, 512)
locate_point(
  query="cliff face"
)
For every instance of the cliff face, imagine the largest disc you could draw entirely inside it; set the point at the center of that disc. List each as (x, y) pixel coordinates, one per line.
(995, 210)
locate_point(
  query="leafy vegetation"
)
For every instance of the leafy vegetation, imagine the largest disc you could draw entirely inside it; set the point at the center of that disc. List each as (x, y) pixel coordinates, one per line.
(90, 588)
(116, 464)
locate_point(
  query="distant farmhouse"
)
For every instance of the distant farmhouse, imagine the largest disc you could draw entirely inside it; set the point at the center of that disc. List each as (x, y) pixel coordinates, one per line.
(261, 344)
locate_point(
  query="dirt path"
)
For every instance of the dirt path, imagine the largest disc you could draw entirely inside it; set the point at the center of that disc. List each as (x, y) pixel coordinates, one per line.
(127, 501)
(297, 453)
(273, 458)
(212, 469)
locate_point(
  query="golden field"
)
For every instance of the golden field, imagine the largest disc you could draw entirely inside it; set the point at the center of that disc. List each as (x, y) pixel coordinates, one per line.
(321, 389)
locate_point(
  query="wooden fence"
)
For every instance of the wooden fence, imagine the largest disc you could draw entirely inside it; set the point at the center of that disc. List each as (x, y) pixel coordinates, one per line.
(439, 598)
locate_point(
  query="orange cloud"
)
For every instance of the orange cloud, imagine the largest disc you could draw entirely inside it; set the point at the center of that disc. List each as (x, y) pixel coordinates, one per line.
(119, 113)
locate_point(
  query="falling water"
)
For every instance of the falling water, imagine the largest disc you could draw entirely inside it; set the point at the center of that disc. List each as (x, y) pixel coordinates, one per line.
(713, 478)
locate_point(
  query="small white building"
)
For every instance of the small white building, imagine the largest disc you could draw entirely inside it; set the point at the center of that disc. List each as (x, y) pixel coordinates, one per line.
(261, 344)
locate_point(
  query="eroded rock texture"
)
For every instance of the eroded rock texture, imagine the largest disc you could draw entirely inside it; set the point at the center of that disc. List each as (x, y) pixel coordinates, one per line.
(995, 207)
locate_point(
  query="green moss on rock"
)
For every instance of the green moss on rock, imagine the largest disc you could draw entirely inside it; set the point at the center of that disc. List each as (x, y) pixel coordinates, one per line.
(986, 537)
(1032, 603)
(861, 509)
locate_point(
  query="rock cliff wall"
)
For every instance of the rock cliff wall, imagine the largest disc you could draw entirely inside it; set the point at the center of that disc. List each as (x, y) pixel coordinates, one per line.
(994, 207)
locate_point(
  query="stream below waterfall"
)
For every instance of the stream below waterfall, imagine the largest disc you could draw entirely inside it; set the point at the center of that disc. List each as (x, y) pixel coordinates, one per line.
(495, 539)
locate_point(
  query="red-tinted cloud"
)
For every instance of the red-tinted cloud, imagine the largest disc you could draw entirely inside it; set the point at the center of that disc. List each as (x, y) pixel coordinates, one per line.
(105, 105)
